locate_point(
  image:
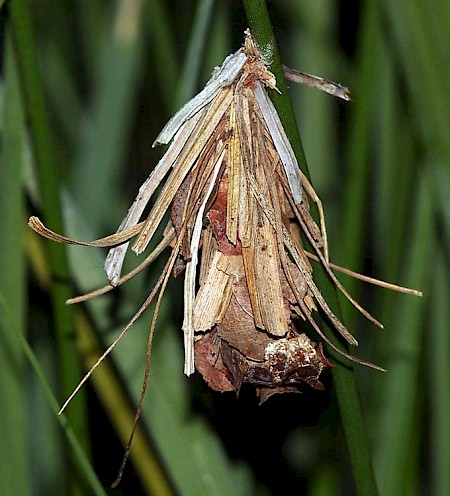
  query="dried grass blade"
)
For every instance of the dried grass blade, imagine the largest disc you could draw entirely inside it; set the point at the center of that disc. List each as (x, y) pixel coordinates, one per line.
(248, 214)
(190, 277)
(224, 76)
(114, 239)
(210, 296)
(281, 142)
(234, 179)
(268, 277)
(330, 87)
(293, 250)
(315, 197)
(209, 248)
(268, 282)
(203, 132)
(248, 258)
(164, 243)
(371, 280)
(244, 136)
(115, 258)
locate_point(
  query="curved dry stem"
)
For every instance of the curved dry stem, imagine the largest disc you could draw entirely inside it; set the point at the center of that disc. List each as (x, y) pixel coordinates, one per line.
(141, 310)
(137, 416)
(300, 215)
(371, 280)
(114, 239)
(314, 196)
(343, 353)
(164, 243)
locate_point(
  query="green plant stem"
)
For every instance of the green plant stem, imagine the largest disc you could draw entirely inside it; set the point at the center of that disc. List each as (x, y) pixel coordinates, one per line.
(82, 460)
(350, 252)
(164, 46)
(439, 358)
(343, 375)
(195, 52)
(14, 478)
(261, 28)
(46, 163)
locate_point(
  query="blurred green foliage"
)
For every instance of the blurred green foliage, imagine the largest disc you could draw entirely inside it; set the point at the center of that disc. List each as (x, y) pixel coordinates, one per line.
(111, 74)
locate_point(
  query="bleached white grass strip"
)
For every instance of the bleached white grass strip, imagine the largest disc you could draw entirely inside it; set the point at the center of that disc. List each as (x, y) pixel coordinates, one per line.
(220, 79)
(210, 295)
(185, 163)
(281, 142)
(191, 274)
(115, 258)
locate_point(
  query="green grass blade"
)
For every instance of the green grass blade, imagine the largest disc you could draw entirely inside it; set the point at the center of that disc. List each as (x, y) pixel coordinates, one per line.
(14, 477)
(194, 53)
(106, 131)
(396, 420)
(164, 48)
(261, 28)
(48, 173)
(441, 183)
(394, 178)
(311, 49)
(72, 437)
(438, 356)
(349, 402)
(219, 40)
(94, 22)
(425, 72)
(355, 190)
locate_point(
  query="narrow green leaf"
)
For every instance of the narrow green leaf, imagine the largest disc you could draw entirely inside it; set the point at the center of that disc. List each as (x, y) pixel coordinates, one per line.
(106, 131)
(195, 52)
(219, 40)
(48, 172)
(348, 397)
(400, 386)
(72, 437)
(350, 251)
(437, 355)
(312, 49)
(14, 478)
(164, 47)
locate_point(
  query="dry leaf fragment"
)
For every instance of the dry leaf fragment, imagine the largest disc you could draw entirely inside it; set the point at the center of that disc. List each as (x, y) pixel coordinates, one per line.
(319, 83)
(288, 365)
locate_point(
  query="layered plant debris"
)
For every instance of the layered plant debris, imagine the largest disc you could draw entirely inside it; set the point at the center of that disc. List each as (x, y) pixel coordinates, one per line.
(239, 206)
